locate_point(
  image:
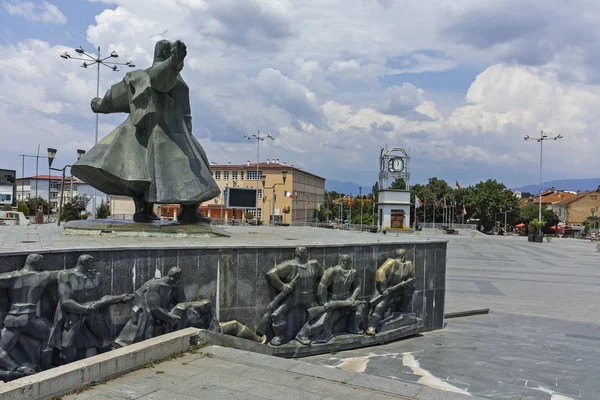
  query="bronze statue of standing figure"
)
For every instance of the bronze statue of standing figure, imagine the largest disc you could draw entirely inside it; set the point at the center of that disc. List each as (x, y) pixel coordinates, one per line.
(152, 156)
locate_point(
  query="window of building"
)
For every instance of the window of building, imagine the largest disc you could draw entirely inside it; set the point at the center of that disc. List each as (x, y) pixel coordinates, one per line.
(259, 193)
(256, 212)
(253, 176)
(217, 175)
(234, 175)
(225, 175)
(53, 195)
(54, 184)
(241, 175)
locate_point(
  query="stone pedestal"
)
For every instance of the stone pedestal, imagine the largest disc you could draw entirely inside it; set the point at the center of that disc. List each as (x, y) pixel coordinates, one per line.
(108, 227)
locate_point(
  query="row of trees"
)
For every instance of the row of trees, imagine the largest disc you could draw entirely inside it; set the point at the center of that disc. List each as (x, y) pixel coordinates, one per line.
(483, 202)
(74, 209)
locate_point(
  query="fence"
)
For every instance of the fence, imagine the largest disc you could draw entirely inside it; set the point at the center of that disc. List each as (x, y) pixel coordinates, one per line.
(430, 225)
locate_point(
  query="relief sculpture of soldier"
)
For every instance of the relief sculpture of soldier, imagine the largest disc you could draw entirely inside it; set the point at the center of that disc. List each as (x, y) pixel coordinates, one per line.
(25, 333)
(295, 280)
(80, 329)
(395, 286)
(152, 156)
(153, 311)
(338, 310)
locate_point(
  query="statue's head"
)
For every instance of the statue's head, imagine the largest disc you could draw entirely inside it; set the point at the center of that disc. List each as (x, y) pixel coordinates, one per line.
(86, 262)
(345, 261)
(174, 275)
(301, 253)
(401, 254)
(35, 262)
(162, 50)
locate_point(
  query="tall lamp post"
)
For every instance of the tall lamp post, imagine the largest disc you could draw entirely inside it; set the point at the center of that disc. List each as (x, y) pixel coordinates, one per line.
(90, 61)
(51, 155)
(259, 138)
(264, 180)
(37, 160)
(361, 206)
(541, 139)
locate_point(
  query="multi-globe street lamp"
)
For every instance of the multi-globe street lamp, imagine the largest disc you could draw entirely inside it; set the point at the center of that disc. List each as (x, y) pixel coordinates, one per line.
(541, 139)
(89, 61)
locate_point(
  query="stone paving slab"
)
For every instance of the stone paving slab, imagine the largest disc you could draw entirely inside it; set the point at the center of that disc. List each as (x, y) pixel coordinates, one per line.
(220, 373)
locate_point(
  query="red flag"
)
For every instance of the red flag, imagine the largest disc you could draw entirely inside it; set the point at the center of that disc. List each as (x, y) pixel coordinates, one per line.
(351, 201)
(464, 211)
(457, 185)
(264, 199)
(362, 201)
(445, 202)
(307, 198)
(436, 203)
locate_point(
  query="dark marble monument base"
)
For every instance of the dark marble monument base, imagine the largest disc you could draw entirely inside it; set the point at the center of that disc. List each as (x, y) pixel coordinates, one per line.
(120, 228)
(407, 325)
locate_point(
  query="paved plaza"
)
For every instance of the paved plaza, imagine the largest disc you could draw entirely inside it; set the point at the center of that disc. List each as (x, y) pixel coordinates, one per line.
(541, 339)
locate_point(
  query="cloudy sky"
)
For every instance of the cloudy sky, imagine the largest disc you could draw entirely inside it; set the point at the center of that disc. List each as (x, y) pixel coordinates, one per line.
(459, 83)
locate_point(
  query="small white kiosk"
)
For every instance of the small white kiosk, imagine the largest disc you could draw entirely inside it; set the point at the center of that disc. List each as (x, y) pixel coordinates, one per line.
(393, 205)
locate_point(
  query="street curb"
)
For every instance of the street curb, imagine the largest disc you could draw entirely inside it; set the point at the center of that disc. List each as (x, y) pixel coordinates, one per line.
(64, 379)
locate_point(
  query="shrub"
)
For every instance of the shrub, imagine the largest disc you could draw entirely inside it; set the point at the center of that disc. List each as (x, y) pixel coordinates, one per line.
(102, 211)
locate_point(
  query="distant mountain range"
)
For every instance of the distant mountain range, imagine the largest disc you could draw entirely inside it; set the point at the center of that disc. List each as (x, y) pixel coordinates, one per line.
(346, 188)
(572, 185)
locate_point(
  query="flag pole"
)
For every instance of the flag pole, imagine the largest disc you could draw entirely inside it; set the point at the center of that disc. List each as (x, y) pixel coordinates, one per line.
(424, 208)
(433, 219)
(415, 221)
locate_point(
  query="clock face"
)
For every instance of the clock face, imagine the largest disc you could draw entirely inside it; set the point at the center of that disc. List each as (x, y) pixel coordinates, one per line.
(398, 164)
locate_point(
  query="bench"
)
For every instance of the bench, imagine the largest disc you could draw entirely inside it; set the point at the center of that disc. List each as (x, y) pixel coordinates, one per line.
(451, 231)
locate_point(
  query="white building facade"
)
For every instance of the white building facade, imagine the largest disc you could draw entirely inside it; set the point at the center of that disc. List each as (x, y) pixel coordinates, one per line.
(44, 185)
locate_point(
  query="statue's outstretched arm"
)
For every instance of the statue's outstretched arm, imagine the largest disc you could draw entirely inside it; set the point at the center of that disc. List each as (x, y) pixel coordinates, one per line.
(115, 100)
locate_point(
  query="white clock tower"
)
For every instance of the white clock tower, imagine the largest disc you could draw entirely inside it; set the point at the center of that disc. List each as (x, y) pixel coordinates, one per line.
(394, 204)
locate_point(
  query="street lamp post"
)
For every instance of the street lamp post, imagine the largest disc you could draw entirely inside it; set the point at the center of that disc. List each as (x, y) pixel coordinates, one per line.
(37, 159)
(51, 155)
(80, 153)
(89, 62)
(541, 139)
(257, 136)
(361, 207)
(273, 195)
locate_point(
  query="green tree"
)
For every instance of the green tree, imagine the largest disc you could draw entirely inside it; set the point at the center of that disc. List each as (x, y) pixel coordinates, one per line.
(22, 207)
(102, 211)
(6, 207)
(398, 184)
(530, 212)
(73, 209)
(41, 203)
(487, 198)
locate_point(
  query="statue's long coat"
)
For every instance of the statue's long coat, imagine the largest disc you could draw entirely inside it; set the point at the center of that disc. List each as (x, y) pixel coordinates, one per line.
(153, 153)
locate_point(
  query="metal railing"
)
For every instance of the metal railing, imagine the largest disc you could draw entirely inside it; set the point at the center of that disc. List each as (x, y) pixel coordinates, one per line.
(429, 225)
